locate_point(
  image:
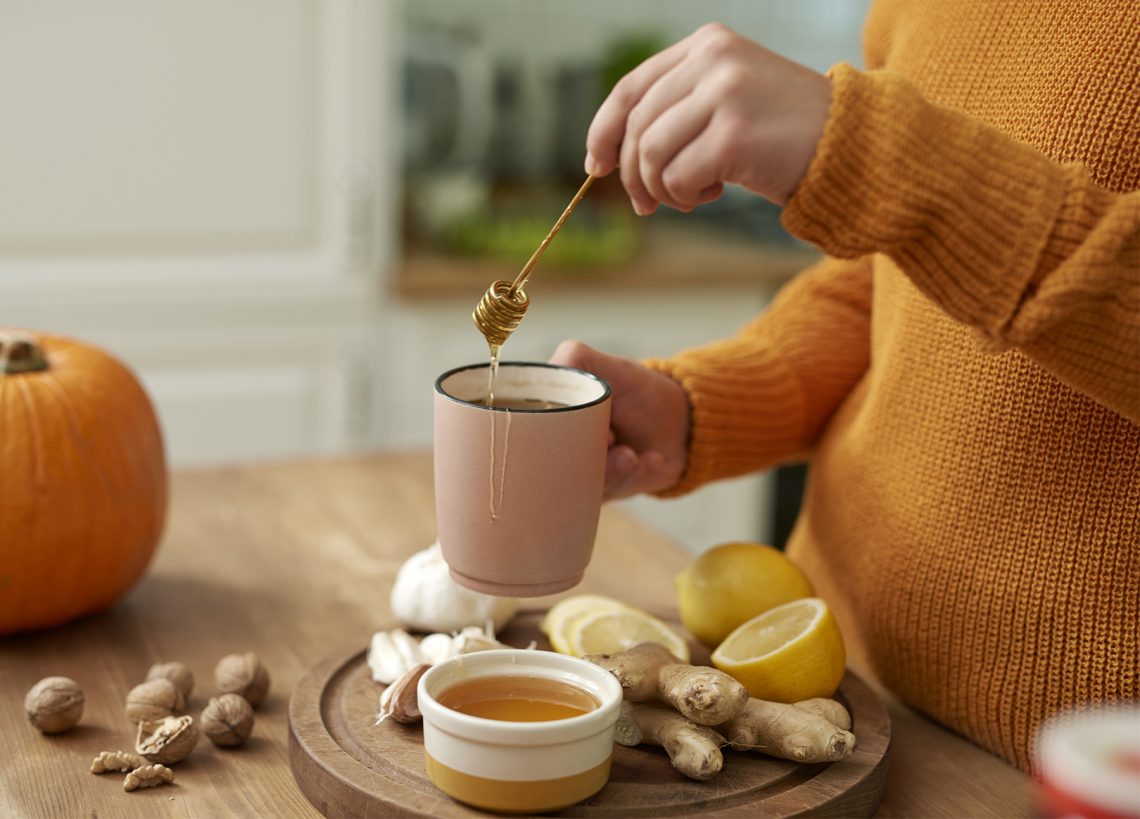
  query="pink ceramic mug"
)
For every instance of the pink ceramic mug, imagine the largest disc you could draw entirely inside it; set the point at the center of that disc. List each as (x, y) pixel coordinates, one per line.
(518, 491)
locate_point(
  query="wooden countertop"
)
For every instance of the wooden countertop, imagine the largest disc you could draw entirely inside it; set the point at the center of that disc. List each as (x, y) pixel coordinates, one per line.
(295, 561)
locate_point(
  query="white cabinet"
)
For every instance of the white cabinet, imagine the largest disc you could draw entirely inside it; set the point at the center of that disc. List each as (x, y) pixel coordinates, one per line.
(203, 188)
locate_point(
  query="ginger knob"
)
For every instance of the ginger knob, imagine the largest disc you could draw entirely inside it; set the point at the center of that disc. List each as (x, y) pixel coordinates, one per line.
(244, 675)
(177, 673)
(54, 704)
(227, 720)
(153, 700)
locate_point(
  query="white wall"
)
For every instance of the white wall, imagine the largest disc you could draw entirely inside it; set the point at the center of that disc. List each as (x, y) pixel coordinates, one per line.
(203, 188)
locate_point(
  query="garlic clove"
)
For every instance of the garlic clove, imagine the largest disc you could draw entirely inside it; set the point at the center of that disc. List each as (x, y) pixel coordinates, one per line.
(408, 648)
(384, 658)
(437, 648)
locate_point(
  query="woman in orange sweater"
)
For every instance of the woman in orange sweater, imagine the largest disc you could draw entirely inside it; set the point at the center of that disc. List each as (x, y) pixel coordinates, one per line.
(962, 370)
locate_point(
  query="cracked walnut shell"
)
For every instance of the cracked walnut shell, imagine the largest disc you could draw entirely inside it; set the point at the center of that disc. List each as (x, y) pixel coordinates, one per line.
(153, 700)
(167, 740)
(244, 675)
(54, 704)
(227, 720)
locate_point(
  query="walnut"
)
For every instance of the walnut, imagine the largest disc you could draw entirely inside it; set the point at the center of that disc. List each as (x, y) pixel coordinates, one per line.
(167, 740)
(227, 720)
(116, 761)
(153, 700)
(148, 776)
(244, 675)
(177, 673)
(54, 704)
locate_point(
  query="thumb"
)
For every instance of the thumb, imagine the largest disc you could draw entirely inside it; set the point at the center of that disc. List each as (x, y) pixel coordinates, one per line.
(574, 353)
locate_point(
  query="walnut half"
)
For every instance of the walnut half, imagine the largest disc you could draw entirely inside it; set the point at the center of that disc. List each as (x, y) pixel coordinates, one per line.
(167, 740)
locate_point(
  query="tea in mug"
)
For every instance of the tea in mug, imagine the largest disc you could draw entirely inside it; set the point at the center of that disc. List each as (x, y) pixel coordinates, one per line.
(518, 698)
(522, 404)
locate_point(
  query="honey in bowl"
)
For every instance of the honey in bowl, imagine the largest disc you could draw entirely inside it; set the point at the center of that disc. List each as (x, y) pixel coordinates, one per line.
(518, 731)
(517, 698)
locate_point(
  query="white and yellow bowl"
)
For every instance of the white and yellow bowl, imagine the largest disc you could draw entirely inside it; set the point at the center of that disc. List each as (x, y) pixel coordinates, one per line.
(519, 767)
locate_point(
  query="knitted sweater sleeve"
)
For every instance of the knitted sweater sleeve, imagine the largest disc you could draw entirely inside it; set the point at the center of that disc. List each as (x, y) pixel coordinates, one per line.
(764, 395)
(1028, 252)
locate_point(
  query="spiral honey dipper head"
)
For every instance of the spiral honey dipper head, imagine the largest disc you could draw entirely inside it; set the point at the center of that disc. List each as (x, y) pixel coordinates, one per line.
(499, 312)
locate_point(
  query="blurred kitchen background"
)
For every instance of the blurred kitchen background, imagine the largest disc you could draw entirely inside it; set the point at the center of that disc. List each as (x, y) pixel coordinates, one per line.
(281, 213)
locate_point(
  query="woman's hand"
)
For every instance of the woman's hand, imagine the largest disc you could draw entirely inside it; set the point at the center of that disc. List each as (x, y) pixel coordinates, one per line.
(712, 109)
(649, 421)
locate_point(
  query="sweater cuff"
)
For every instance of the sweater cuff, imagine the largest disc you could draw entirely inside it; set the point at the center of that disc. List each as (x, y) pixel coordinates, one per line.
(741, 418)
(961, 208)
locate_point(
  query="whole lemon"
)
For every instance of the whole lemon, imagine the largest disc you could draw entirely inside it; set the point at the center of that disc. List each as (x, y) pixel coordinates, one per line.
(730, 584)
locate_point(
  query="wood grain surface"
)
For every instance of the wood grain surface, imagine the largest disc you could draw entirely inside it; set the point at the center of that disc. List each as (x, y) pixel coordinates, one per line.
(349, 766)
(295, 561)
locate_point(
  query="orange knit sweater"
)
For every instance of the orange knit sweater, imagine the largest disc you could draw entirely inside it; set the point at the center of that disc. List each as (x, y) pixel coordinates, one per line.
(963, 371)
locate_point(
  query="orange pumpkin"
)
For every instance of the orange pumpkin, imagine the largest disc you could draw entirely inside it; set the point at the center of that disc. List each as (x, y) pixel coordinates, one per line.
(82, 480)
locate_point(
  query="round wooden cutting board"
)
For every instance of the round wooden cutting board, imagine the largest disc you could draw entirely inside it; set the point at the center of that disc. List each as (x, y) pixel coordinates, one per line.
(349, 767)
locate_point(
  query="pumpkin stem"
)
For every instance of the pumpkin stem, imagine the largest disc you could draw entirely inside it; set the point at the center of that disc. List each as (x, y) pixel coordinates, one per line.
(19, 353)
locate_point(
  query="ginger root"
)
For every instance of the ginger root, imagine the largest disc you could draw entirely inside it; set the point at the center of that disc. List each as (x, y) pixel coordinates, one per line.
(648, 672)
(792, 732)
(713, 709)
(830, 710)
(693, 749)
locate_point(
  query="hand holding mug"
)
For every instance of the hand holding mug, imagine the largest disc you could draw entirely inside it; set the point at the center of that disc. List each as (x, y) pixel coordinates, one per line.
(649, 421)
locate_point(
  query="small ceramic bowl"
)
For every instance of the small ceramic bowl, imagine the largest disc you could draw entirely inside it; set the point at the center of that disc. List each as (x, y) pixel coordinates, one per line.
(519, 767)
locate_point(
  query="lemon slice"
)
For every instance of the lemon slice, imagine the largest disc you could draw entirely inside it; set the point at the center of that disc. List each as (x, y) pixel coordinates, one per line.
(610, 631)
(559, 620)
(790, 653)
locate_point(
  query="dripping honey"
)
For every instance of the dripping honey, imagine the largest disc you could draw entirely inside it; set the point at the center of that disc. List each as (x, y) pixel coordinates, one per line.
(518, 698)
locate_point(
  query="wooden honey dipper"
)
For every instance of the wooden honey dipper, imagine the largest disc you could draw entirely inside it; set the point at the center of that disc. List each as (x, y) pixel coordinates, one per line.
(504, 304)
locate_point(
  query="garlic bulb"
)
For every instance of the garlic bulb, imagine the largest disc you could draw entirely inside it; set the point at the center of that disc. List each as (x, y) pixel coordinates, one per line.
(425, 598)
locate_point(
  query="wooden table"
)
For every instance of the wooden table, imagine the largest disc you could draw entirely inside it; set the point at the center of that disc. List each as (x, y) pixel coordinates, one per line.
(295, 561)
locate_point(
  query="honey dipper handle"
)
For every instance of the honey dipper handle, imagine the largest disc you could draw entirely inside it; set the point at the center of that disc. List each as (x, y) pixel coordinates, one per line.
(524, 274)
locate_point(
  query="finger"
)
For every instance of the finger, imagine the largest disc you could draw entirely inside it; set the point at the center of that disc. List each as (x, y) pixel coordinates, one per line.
(665, 138)
(642, 201)
(696, 169)
(608, 126)
(645, 476)
(621, 461)
(711, 193)
(674, 86)
(573, 353)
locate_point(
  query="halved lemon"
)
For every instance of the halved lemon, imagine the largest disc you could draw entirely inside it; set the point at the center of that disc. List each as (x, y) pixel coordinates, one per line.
(790, 653)
(558, 621)
(610, 631)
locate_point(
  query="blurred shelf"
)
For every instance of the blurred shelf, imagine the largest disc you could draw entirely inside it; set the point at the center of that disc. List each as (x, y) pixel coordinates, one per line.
(669, 256)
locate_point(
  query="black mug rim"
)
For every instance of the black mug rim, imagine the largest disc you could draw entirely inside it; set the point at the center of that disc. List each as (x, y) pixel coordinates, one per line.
(606, 391)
